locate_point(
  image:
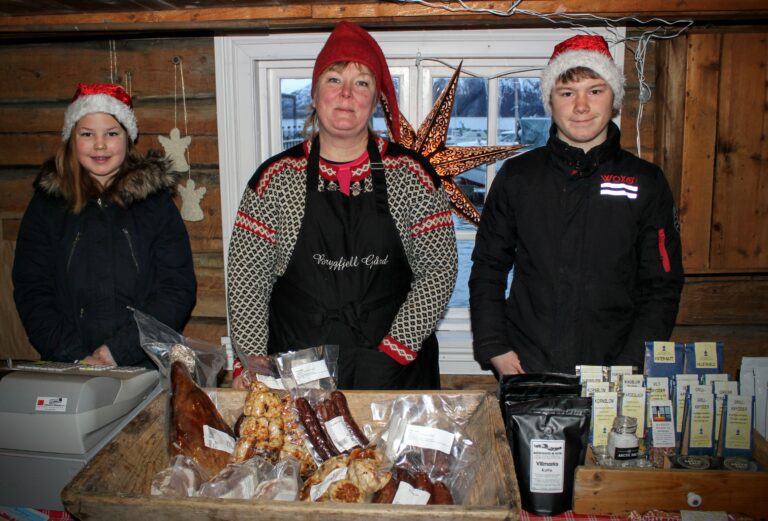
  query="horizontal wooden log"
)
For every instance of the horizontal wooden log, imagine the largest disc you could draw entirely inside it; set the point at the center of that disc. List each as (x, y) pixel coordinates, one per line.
(207, 329)
(15, 192)
(724, 300)
(9, 229)
(156, 116)
(34, 149)
(211, 302)
(51, 71)
(306, 14)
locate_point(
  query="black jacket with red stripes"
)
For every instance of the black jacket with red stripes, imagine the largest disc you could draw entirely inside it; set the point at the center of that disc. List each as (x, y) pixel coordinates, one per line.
(594, 247)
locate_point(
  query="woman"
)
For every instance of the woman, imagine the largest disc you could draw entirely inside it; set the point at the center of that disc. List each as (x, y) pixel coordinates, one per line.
(346, 238)
(100, 234)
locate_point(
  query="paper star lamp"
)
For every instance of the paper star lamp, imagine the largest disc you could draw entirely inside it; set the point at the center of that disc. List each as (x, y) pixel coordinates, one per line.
(448, 161)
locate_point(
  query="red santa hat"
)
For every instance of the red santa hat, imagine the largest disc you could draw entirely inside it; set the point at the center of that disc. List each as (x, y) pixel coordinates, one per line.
(100, 97)
(582, 51)
(350, 42)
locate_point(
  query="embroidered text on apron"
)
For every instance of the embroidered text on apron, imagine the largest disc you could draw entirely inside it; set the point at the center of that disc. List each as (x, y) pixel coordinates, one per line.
(346, 280)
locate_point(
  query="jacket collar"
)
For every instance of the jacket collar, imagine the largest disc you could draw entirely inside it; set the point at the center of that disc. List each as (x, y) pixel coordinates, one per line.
(150, 176)
(575, 160)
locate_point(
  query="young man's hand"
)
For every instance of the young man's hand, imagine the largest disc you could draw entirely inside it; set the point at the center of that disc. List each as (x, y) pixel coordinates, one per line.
(508, 363)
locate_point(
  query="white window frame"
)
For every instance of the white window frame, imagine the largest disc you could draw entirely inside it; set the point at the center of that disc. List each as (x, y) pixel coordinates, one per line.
(248, 65)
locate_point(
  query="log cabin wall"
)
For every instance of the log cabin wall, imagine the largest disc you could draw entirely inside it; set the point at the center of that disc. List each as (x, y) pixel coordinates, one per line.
(725, 297)
(37, 81)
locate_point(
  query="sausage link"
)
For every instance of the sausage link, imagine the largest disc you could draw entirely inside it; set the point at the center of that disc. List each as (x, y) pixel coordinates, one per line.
(441, 493)
(314, 430)
(387, 493)
(341, 408)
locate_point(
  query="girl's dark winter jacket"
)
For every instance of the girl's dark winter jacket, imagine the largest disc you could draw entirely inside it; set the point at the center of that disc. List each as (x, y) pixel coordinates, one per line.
(595, 247)
(74, 275)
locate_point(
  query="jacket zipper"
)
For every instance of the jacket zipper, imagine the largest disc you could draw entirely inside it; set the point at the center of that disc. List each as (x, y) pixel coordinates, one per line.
(130, 247)
(72, 250)
(663, 251)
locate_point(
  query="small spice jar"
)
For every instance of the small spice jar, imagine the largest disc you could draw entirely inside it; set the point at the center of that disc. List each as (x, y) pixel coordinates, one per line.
(622, 440)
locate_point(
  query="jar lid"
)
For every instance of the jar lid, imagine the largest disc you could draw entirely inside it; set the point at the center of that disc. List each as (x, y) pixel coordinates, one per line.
(625, 423)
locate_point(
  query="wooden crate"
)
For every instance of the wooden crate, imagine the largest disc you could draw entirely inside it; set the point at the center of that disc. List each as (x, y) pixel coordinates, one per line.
(115, 485)
(613, 491)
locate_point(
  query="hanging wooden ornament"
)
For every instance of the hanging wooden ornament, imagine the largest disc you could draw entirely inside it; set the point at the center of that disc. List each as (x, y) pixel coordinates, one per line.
(177, 150)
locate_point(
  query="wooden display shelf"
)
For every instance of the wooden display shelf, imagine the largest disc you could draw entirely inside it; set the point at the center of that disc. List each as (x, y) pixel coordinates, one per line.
(617, 491)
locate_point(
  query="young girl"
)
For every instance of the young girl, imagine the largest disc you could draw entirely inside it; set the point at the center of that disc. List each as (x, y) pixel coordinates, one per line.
(101, 233)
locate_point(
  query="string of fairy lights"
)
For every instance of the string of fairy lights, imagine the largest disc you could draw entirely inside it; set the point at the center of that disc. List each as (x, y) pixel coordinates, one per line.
(638, 42)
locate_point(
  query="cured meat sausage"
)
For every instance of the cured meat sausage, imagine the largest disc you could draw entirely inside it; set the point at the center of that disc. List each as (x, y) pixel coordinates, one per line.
(191, 410)
(386, 494)
(341, 408)
(441, 494)
(317, 437)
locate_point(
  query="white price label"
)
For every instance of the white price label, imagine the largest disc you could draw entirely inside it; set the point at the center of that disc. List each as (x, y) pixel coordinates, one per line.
(51, 404)
(218, 440)
(271, 382)
(340, 435)
(407, 495)
(547, 466)
(335, 475)
(310, 372)
(428, 438)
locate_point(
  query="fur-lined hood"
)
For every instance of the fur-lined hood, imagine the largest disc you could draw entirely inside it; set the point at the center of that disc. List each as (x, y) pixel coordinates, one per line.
(150, 176)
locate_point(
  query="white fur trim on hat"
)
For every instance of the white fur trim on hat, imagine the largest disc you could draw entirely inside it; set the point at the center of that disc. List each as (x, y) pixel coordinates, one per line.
(600, 63)
(105, 103)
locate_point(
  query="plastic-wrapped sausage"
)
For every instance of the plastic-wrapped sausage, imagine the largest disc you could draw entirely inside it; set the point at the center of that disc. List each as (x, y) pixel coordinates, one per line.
(423, 483)
(341, 408)
(387, 493)
(441, 494)
(315, 432)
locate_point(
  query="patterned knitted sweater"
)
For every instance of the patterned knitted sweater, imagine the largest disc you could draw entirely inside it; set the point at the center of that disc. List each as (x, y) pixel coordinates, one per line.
(267, 228)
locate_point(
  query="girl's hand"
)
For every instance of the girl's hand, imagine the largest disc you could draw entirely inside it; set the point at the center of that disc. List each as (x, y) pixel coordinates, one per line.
(101, 356)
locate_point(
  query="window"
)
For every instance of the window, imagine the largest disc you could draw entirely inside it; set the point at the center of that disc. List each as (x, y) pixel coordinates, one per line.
(262, 80)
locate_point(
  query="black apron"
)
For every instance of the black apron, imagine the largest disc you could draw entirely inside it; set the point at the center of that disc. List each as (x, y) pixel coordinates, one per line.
(346, 280)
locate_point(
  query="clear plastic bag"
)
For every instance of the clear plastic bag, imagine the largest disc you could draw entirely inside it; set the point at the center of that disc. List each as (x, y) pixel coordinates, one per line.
(163, 345)
(309, 373)
(424, 436)
(255, 478)
(182, 478)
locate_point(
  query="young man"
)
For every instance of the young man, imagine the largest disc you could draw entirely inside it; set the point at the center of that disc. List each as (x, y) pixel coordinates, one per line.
(588, 230)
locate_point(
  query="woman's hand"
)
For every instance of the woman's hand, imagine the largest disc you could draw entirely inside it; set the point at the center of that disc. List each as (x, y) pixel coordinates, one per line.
(101, 356)
(256, 364)
(508, 363)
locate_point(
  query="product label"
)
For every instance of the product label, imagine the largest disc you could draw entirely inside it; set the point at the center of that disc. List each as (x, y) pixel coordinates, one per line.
(216, 439)
(271, 382)
(626, 453)
(633, 405)
(318, 490)
(310, 372)
(338, 431)
(711, 378)
(547, 466)
(428, 438)
(738, 422)
(702, 421)
(706, 355)
(408, 495)
(662, 424)
(596, 387)
(632, 380)
(604, 407)
(51, 404)
(664, 352)
(722, 389)
(659, 387)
